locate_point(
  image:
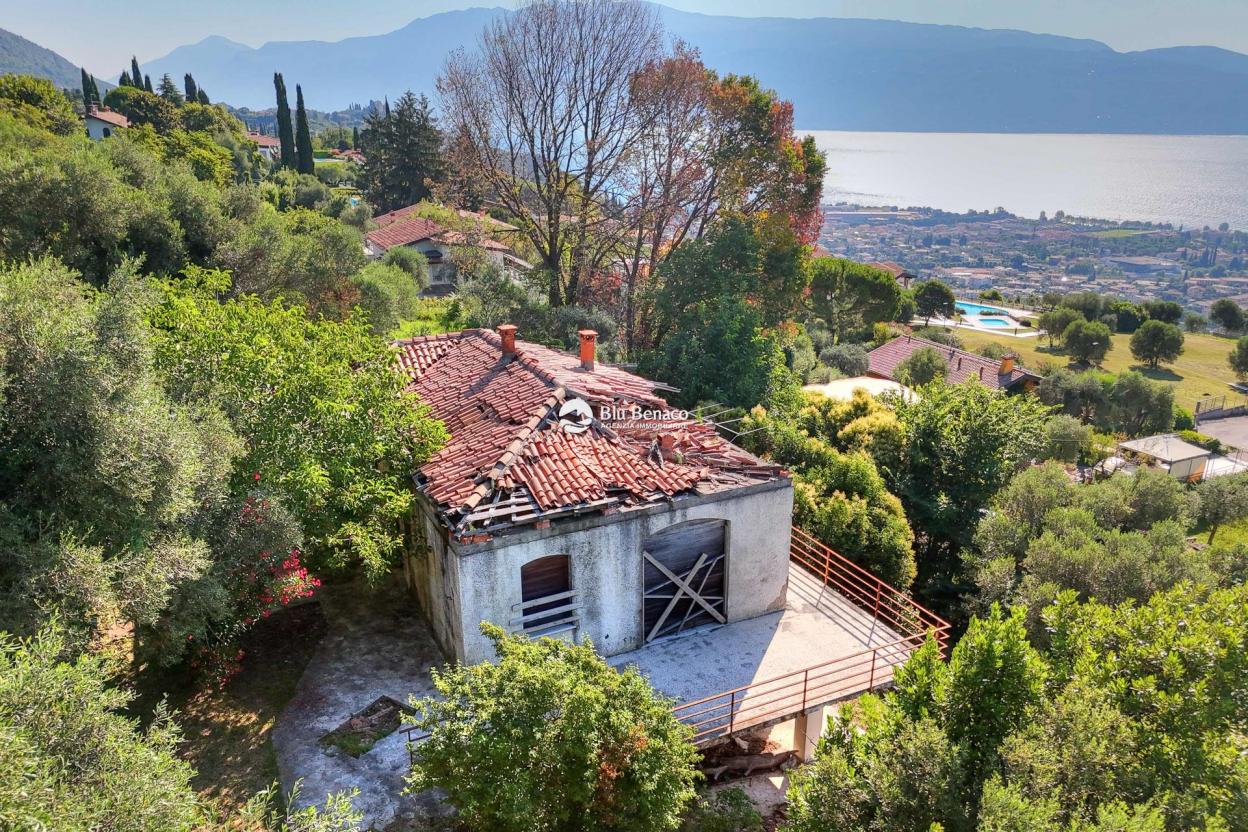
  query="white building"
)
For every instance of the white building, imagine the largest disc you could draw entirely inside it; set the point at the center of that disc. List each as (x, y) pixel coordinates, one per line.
(102, 122)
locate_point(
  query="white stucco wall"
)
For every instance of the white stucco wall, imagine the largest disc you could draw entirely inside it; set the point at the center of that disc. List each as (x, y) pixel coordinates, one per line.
(96, 128)
(606, 566)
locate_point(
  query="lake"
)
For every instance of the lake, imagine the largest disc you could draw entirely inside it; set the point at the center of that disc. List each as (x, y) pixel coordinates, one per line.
(1188, 180)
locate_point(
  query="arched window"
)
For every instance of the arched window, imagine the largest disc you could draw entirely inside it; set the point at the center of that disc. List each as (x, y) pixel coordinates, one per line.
(684, 569)
(548, 577)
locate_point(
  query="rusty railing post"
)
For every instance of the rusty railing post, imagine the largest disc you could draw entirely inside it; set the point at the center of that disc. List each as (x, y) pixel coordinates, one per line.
(875, 652)
(805, 684)
(732, 711)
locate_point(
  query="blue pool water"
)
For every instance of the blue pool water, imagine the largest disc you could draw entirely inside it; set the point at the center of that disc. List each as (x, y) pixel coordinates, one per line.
(994, 322)
(968, 308)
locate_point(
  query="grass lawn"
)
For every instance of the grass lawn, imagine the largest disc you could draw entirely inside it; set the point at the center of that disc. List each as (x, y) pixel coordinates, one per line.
(434, 316)
(226, 730)
(1200, 371)
(1114, 233)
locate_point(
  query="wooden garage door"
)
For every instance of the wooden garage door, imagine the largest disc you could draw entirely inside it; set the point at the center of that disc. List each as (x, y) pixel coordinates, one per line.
(684, 568)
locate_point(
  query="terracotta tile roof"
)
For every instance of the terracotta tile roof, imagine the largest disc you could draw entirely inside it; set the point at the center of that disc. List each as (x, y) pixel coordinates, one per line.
(404, 232)
(896, 270)
(510, 462)
(264, 141)
(111, 117)
(389, 217)
(401, 228)
(963, 365)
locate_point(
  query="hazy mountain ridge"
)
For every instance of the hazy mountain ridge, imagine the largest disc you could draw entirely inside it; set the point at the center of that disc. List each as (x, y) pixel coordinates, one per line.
(17, 54)
(841, 74)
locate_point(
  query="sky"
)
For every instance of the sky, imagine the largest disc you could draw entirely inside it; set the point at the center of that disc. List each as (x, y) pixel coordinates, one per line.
(102, 34)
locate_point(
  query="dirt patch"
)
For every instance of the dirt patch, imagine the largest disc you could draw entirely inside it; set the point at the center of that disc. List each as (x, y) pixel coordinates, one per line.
(363, 729)
(227, 730)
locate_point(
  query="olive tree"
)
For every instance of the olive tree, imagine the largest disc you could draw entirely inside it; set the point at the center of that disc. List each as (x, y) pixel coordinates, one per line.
(551, 737)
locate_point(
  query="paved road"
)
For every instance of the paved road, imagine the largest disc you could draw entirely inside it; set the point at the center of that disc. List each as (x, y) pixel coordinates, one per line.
(1233, 431)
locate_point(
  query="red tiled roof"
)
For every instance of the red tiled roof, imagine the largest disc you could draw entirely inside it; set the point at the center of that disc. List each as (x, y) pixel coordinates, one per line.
(401, 229)
(895, 269)
(962, 365)
(111, 117)
(404, 232)
(264, 141)
(510, 462)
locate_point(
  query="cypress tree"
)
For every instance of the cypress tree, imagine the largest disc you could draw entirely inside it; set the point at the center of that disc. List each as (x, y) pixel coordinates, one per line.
(192, 91)
(124, 81)
(95, 91)
(147, 84)
(136, 76)
(355, 137)
(202, 96)
(86, 89)
(285, 134)
(303, 136)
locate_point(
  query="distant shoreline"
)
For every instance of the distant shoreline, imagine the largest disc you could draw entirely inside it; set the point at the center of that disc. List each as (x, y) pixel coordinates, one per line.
(1185, 180)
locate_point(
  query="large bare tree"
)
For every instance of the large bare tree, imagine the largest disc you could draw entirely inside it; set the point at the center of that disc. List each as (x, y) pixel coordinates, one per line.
(546, 101)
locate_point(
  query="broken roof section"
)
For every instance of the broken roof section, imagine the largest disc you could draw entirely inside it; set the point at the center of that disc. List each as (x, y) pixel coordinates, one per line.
(510, 461)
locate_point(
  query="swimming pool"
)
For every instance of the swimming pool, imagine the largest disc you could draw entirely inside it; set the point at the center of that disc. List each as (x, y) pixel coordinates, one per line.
(968, 308)
(995, 322)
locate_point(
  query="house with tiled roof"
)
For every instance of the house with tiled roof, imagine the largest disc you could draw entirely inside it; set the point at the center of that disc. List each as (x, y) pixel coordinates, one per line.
(573, 500)
(404, 227)
(1003, 374)
(102, 122)
(900, 273)
(269, 147)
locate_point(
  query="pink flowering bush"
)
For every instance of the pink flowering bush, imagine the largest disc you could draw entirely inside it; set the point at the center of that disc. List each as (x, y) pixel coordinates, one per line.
(258, 569)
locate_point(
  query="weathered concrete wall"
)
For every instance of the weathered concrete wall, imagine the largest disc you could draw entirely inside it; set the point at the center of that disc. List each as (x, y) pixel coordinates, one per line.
(436, 586)
(606, 566)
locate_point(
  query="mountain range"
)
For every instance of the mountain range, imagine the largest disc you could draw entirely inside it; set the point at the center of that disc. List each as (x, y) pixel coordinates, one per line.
(840, 74)
(29, 58)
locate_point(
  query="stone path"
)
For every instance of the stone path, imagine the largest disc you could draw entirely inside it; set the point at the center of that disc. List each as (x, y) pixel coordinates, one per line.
(377, 644)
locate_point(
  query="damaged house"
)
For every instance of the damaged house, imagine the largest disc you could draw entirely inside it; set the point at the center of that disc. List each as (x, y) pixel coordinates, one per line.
(572, 500)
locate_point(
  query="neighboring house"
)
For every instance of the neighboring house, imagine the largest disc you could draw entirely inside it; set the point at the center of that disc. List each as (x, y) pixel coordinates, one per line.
(1182, 460)
(403, 228)
(899, 273)
(102, 122)
(353, 156)
(546, 520)
(1004, 374)
(270, 147)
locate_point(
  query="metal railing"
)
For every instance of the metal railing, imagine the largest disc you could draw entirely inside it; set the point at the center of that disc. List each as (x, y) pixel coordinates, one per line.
(791, 693)
(782, 696)
(883, 601)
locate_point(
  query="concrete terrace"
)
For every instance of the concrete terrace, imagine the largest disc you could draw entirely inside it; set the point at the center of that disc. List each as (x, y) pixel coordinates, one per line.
(764, 658)
(820, 648)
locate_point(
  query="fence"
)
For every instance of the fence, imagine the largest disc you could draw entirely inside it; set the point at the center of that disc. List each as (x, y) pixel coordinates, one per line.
(772, 699)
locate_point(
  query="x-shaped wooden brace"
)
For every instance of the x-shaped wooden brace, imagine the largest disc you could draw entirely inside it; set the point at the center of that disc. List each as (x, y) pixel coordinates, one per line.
(683, 589)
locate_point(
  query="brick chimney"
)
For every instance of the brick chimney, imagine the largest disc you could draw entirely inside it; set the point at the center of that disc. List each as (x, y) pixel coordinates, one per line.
(589, 346)
(508, 333)
(1007, 364)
